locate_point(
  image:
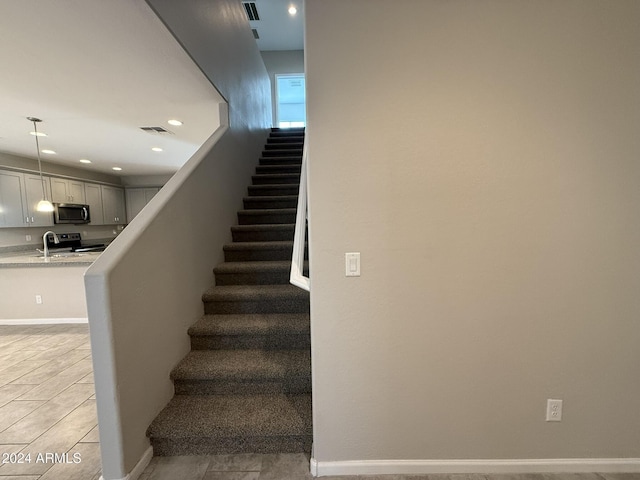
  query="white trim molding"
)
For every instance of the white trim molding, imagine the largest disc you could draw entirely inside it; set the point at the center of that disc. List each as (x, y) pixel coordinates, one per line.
(424, 467)
(139, 468)
(42, 321)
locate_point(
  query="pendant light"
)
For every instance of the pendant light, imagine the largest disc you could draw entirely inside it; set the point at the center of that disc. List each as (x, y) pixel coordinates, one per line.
(44, 205)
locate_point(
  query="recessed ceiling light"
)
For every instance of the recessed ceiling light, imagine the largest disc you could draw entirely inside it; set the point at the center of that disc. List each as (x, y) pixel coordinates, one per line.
(49, 152)
(174, 122)
(156, 149)
(292, 10)
(38, 134)
(117, 169)
(84, 160)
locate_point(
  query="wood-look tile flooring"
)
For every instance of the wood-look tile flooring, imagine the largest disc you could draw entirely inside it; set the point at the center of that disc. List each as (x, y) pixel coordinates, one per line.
(47, 404)
(295, 466)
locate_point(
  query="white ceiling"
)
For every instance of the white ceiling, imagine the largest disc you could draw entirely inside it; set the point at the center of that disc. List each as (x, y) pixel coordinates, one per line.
(95, 72)
(277, 29)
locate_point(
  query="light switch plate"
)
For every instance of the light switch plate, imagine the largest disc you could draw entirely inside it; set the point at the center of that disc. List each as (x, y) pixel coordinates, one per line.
(352, 264)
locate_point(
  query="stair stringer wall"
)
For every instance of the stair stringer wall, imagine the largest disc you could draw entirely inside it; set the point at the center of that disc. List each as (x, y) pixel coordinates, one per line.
(145, 290)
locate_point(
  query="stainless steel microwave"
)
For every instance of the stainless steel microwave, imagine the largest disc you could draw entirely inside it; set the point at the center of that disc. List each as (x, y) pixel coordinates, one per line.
(73, 213)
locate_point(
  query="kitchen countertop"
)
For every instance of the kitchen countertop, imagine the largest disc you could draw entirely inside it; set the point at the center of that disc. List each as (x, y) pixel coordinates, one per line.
(33, 258)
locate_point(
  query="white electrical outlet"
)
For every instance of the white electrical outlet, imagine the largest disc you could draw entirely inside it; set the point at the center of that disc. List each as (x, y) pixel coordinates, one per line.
(554, 410)
(28, 238)
(39, 299)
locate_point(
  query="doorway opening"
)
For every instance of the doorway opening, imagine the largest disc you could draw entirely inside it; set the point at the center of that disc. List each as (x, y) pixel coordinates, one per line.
(290, 101)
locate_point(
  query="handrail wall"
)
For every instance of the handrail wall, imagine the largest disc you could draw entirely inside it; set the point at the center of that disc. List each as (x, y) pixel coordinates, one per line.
(145, 291)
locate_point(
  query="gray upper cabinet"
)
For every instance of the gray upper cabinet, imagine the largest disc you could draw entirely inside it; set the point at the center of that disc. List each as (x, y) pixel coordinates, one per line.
(67, 191)
(33, 189)
(113, 205)
(19, 197)
(137, 198)
(93, 198)
(21, 192)
(11, 199)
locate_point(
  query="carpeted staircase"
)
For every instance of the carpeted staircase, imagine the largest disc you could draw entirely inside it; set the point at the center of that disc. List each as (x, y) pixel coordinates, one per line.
(246, 384)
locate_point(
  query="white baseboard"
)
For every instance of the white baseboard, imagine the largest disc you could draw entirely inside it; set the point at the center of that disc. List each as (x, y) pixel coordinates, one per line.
(42, 321)
(141, 465)
(425, 467)
(139, 468)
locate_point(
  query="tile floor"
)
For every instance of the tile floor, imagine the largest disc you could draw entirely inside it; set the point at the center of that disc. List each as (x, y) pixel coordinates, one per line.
(47, 404)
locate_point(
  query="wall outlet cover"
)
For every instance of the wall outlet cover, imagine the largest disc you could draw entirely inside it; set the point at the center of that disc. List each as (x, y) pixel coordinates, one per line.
(554, 410)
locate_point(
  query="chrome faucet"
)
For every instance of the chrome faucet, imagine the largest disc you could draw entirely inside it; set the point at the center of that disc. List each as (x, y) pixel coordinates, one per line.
(44, 241)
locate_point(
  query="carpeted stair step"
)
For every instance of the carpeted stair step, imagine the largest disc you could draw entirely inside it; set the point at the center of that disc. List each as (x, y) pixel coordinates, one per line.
(232, 299)
(263, 233)
(270, 202)
(282, 153)
(299, 135)
(266, 169)
(255, 272)
(258, 251)
(261, 216)
(266, 190)
(280, 139)
(284, 146)
(224, 424)
(276, 179)
(280, 161)
(243, 372)
(283, 331)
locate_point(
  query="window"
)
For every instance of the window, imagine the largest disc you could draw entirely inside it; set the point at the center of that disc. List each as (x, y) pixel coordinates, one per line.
(290, 101)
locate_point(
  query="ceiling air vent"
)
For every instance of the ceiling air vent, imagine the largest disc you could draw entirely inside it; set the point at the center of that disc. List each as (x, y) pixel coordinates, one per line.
(255, 33)
(252, 11)
(160, 130)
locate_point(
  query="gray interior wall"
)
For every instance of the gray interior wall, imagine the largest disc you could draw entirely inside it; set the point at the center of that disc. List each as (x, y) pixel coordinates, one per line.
(145, 290)
(280, 62)
(488, 174)
(61, 289)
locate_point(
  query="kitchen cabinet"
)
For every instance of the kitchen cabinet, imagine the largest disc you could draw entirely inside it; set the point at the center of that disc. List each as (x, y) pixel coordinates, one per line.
(67, 191)
(11, 199)
(33, 195)
(93, 198)
(19, 195)
(113, 205)
(137, 198)
(21, 192)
